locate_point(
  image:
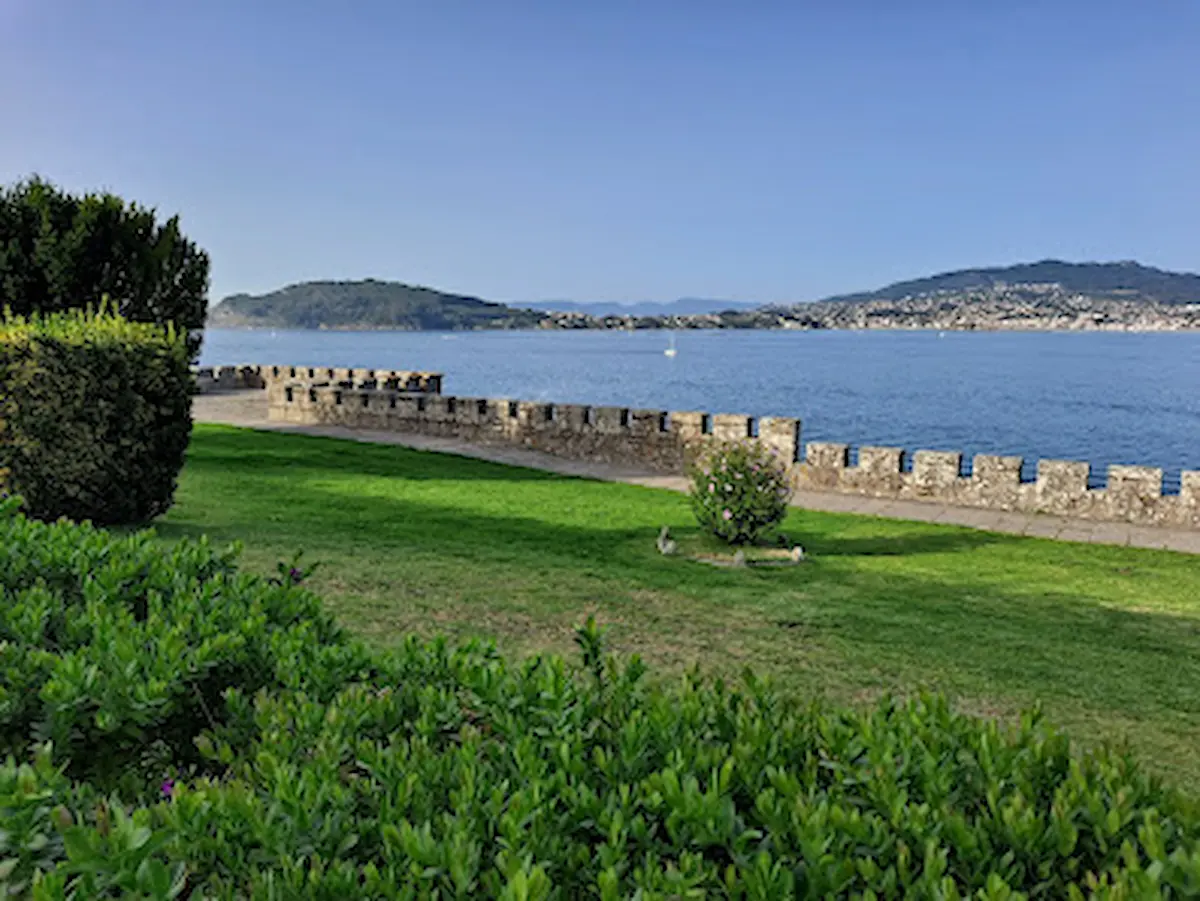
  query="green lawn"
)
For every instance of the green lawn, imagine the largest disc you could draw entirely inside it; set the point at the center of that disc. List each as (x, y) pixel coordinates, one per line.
(1108, 639)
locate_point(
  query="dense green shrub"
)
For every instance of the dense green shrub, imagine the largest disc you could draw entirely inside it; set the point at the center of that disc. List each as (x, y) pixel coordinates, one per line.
(324, 771)
(60, 251)
(739, 489)
(95, 415)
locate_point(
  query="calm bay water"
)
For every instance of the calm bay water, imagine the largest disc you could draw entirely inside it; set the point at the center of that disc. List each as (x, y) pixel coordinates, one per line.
(1101, 397)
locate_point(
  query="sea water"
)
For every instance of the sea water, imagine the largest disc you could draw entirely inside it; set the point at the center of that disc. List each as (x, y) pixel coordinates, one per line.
(1097, 396)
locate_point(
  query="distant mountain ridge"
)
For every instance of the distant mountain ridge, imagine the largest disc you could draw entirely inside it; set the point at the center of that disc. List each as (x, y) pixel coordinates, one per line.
(1050, 294)
(1126, 279)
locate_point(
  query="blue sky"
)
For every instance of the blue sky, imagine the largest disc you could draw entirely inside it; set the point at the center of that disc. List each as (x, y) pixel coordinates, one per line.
(620, 150)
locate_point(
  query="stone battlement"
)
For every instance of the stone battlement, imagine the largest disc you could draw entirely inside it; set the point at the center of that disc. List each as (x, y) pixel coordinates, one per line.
(662, 441)
(251, 377)
(1133, 494)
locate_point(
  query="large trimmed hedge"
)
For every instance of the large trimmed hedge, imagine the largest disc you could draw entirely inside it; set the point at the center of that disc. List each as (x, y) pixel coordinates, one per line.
(95, 415)
(61, 251)
(216, 735)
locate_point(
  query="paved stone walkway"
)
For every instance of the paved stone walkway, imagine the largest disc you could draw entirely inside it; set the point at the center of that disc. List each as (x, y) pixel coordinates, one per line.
(249, 409)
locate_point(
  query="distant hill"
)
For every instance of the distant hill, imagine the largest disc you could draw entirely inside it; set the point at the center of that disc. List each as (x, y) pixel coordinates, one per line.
(1125, 280)
(368, 304)
(685, 306)
(1046, 295)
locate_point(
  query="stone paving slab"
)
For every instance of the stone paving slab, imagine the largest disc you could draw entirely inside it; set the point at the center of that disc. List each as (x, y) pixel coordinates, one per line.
(249, 410)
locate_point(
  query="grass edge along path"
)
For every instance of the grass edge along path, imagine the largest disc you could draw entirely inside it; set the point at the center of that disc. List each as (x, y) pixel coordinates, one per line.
(1106, 638)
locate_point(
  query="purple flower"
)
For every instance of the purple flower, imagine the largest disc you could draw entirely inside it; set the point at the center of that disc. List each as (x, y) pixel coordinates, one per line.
(168, 787)
(728, 515)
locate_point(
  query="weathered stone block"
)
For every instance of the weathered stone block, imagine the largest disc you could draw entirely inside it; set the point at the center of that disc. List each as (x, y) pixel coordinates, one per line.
(531, 414)
(781, 434)
(730, 427)
(1062, 489)
(1134, 494)
(688, 426)
(877, 473)
(823, 469)
(466, 411)
(880, 461)
(827, 455)
(1062, 477)
(935, 473)
(995, 474)
(573, 417)
(647, 422)
(1138, 481)
(1189, 498)
(409, 407)
(440, 409)
(611, 420)
(995, 483)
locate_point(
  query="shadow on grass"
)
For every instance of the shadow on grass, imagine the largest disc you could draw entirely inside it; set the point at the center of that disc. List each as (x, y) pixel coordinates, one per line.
(996, 614)
(914, 541)
(225, 448)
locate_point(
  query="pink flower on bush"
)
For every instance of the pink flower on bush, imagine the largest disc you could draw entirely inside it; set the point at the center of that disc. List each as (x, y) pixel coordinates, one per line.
(728, 515)
(712, 486)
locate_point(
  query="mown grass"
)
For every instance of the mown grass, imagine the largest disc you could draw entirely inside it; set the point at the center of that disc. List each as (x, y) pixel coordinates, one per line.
(1106, 638)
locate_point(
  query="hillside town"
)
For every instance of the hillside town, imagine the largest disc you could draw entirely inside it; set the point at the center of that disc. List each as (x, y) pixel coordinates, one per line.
(1016, 307)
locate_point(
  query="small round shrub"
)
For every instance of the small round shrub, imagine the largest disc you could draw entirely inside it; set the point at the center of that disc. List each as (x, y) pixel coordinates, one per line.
(739, 490)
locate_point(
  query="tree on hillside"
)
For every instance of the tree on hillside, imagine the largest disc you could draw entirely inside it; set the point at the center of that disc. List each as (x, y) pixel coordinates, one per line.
(60, 251)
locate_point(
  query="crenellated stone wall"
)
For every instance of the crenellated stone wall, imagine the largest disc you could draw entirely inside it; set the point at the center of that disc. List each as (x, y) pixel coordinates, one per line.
(618, 435)
(662, 440)
(228, 378)
(234, 378)
(1133, 494)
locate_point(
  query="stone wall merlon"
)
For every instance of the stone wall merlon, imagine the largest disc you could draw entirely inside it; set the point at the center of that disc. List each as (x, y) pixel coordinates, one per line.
(997, 473)
(1063, 476)
(934, 472)
(827, 455)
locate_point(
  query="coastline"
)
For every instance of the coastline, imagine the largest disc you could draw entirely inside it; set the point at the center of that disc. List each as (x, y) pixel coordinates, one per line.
(990, 329)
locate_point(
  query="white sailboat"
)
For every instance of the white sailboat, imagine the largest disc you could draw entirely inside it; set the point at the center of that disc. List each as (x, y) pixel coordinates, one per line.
(671, 351)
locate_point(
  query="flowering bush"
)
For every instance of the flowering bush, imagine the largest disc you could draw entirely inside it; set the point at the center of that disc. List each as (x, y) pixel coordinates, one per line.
(739, 489)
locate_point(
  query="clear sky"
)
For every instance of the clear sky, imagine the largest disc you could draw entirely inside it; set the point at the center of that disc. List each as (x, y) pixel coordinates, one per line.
(620, 150)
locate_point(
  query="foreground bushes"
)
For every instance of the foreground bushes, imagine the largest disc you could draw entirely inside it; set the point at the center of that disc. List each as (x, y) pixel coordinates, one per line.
(61, 251)
(95, 415)
(325, 771)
